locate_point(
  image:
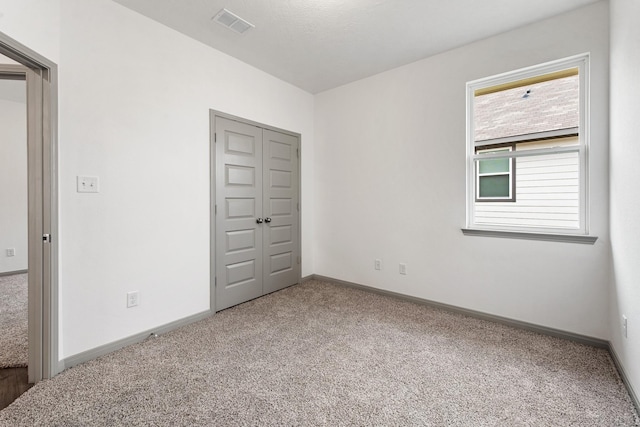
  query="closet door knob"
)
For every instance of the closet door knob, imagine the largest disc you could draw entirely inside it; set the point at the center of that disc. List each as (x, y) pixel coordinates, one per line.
(267, 220)
(259, 220)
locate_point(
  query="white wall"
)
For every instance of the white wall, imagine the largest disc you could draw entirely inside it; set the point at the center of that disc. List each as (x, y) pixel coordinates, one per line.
(134, 110)
(13, 176)
(390, 184)
(5, 60)
(33, 23)
(625, 176)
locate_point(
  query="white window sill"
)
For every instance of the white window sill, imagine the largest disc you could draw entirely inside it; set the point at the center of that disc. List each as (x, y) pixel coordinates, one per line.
(567, 238)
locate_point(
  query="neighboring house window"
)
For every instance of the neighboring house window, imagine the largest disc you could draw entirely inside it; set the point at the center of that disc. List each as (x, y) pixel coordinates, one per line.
(532, 122)
(495, 181)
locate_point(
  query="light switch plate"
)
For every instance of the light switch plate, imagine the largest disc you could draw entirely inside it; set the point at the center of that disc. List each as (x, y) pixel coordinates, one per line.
(87, 184)
(403, 268)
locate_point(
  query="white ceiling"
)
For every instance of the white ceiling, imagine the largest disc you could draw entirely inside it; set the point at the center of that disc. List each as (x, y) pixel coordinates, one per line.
(321, 44)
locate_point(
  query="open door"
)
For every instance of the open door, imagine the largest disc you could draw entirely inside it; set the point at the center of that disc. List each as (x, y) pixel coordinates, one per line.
(40, 76)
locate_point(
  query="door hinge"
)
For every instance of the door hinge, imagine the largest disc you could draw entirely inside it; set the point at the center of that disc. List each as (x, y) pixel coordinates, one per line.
(298, 260)
(215, 209)
(298, 206)
(215, 281)
(46, 238)
(298, 152)
(215, 138)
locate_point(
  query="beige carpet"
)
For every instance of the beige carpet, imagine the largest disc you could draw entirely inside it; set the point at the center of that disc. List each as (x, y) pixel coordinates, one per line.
(13, 321)
(321, 354)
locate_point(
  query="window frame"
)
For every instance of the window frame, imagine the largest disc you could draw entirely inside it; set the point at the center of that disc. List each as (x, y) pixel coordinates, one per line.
(581, 62)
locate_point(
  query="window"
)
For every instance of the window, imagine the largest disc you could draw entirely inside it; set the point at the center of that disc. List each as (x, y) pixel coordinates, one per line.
(527, 150)
(495, 181)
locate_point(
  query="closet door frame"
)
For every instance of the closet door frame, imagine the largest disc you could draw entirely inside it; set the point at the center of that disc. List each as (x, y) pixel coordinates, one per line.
(212, 198)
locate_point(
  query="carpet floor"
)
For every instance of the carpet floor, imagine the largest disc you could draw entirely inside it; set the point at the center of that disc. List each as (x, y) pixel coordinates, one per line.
(323, 354)
(13, 321)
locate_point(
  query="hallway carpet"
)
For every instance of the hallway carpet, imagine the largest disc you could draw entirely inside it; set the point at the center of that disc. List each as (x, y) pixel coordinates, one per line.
(322, 354)
(13, 321)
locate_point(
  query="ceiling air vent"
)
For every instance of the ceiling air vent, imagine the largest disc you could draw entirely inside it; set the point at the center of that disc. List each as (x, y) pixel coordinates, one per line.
(232, 21)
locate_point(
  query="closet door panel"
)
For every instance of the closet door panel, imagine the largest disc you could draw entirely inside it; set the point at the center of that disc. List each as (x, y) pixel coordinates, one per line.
(239, 234)
(280, 204)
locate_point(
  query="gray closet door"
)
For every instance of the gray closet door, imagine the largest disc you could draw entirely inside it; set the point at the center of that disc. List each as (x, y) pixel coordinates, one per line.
(280, 208)
(257, 219)
(239, 205)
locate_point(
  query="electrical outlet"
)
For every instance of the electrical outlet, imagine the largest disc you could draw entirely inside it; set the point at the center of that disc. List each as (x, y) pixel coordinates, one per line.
(87, 184)
(132, 299)
(11, 251)
(624, 325)
(403, 268)
(378, 264)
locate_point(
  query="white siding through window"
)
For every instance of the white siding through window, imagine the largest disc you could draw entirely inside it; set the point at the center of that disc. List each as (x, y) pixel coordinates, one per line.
(547, 192)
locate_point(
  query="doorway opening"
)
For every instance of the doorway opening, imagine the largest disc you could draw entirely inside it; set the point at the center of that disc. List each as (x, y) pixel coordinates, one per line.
(39, 76)
(14, 354)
